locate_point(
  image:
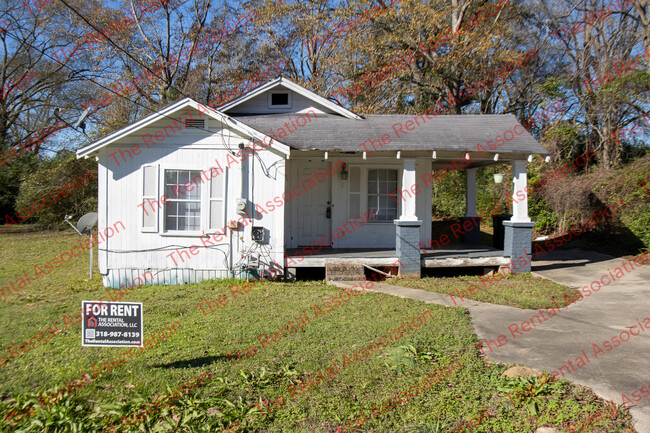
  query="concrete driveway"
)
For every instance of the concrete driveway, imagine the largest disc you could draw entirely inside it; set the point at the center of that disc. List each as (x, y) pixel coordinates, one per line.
(555, 341)
(596, 319)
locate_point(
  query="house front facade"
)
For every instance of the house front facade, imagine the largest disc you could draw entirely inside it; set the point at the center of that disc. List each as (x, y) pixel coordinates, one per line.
(281, 178)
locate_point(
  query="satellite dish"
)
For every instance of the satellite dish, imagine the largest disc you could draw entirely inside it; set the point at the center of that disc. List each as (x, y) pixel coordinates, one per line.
(80, 121)
(87, 222)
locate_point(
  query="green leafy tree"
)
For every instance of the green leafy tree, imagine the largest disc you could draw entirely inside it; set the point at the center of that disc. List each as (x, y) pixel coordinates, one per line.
(70, 184)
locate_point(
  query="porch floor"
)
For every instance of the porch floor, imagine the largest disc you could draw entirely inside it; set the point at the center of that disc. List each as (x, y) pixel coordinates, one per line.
(452, 255)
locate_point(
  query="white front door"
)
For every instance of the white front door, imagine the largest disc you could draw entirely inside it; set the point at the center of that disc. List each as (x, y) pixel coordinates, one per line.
(312, 209)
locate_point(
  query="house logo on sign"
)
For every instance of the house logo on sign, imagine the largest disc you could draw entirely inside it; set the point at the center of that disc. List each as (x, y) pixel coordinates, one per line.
(92, 322)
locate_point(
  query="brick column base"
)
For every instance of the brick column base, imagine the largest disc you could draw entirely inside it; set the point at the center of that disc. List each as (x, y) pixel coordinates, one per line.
(408, 251)
(517, 244)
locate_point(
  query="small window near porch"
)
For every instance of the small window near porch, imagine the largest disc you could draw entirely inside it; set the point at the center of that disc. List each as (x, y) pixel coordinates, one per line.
(183, 209)
(382, 183)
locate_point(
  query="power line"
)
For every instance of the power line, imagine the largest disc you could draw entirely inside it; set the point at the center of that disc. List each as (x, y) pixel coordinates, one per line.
(136, 61)
(42, 51)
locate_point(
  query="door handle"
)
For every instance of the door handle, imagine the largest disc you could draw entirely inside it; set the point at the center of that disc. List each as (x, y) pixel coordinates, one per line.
(328, 212)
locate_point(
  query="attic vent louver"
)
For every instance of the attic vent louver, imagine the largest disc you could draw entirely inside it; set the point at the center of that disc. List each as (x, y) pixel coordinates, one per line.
(195, 123)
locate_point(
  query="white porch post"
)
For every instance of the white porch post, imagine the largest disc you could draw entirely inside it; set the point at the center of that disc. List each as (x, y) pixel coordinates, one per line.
(408, 199)
(520, 180)
(472, 229)
(517, 242)
(407, 227)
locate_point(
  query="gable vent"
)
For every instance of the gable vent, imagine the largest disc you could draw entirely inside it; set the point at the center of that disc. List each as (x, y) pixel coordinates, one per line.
(195, 123)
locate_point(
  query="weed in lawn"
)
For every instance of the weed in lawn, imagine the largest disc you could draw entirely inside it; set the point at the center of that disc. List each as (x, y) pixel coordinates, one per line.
(401, 357)
(431, 427)
(528, 390)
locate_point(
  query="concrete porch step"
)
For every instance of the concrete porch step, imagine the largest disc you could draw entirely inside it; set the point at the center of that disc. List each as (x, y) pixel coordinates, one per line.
(341, 271)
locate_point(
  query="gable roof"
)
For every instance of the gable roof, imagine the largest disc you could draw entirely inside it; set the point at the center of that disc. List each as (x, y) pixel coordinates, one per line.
(285, 82)
(169, 111)
(444, 132)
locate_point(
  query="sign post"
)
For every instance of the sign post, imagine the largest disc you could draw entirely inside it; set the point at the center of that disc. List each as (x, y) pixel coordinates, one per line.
(111, 324)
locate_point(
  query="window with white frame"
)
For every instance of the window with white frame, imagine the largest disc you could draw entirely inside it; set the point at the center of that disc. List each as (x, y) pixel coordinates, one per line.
(279, 99)
(381, 183)
(183, 210)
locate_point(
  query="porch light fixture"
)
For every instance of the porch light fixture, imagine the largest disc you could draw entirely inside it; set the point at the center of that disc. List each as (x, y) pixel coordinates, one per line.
(498, 177)
(344, 172)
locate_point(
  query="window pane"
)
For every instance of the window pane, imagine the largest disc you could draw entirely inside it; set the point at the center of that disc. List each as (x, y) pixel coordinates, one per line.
(195, 194)
(381, 184)
(171, 209)
(194, 224)
(170, 223)
(170, 177)
(183, 212)
(183, 176)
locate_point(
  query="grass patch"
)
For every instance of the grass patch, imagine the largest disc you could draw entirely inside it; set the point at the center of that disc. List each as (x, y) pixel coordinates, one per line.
(326, 371)
(521, 290)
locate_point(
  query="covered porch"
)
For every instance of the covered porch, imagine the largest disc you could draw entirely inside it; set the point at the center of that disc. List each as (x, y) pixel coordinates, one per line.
(371, 200)
(513, 235)
(407, 236)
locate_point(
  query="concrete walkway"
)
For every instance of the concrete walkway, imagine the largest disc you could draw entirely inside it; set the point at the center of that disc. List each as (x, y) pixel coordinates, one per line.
(562, 338)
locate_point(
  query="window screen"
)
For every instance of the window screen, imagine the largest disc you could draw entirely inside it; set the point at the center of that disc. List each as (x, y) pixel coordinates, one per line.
(183, 210)
(381, 183)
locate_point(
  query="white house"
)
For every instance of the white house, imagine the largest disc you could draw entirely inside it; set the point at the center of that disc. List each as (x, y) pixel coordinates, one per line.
(281, 178)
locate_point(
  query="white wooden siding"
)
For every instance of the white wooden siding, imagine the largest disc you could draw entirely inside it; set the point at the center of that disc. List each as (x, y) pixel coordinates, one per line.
(259, 105)
(133, 251)
(372, 234)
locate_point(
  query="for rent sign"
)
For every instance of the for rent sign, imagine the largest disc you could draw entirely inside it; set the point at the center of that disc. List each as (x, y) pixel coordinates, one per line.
(112, 324)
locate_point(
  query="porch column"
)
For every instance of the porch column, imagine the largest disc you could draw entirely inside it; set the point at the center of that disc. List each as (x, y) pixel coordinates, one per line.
(407, 231)
(520, 179)
(471, 221)
(519, 230)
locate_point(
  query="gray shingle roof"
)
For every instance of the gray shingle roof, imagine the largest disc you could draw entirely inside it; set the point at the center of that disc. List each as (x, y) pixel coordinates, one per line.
(444, 132)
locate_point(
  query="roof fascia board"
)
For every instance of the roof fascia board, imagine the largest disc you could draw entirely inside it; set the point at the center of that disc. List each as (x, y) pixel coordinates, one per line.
(120, 133)
(187, 102)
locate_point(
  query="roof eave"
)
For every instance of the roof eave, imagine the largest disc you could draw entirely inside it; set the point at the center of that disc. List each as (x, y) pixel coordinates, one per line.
(239, 126)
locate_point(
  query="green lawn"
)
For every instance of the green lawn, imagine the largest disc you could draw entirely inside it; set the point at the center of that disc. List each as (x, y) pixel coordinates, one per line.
(521, 291)
(320, 376)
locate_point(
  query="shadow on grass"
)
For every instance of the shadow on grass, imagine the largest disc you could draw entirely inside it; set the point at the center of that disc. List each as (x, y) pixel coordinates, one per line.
(196, 362)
